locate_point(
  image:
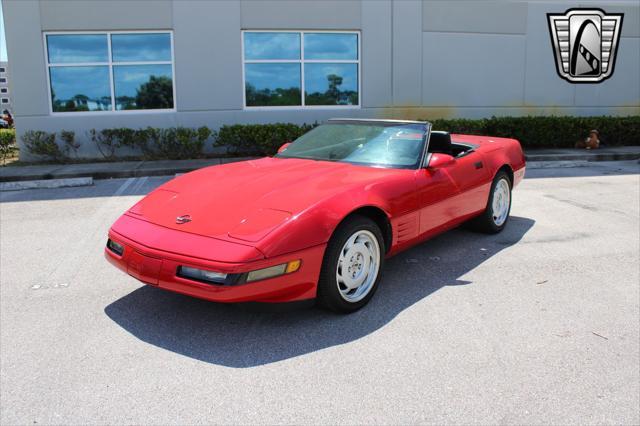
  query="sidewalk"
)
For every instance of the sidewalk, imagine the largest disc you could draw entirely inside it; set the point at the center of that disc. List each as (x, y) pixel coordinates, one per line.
(126, 169)
(106, 170)
(615, 153)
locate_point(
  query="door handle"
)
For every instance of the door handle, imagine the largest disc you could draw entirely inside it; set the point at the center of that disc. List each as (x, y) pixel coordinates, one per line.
(478, 165)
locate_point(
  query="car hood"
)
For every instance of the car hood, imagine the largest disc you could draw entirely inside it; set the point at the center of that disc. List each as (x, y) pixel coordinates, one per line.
(248, 200)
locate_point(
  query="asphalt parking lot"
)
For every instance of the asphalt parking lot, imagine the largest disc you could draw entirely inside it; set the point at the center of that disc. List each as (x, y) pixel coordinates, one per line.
(539, 324)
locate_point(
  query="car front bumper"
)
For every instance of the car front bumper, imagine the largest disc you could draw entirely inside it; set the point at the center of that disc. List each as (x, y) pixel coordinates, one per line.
(159, 268)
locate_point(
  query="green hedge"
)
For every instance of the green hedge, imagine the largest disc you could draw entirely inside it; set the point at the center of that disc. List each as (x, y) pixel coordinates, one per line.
(549, 132)
(258, 139)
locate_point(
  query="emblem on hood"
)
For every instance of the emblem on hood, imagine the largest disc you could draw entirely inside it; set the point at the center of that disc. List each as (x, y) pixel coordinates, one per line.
(183, 219)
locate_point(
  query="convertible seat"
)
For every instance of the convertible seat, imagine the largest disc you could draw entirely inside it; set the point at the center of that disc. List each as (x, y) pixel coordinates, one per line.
(440, 142)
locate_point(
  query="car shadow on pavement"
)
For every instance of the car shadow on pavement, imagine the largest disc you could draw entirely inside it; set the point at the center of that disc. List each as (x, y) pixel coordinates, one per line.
(225, 335)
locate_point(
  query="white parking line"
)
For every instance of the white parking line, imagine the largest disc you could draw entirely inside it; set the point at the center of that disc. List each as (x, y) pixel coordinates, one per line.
(123, 187)
(90, 245)
(139, 184)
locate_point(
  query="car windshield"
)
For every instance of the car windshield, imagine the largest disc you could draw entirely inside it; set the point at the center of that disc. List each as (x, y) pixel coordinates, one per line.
(379, 144)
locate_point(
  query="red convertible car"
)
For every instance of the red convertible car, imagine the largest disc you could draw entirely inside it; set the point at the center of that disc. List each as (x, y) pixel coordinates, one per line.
(317, 220)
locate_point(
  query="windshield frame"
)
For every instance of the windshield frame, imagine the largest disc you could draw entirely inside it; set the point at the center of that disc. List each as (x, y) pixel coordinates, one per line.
(371, 122)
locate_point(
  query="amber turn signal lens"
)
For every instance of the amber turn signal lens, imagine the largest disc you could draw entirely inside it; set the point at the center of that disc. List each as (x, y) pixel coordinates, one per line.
(293, 266)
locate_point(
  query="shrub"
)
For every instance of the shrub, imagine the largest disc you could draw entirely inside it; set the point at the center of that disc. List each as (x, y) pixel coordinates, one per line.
(69, 142)
(105, 141)
(43, 144)
(179, 143)
(7, 144)
(172, 143)
(109, 141)
(139, 139)
(549, 132)
(258, 139)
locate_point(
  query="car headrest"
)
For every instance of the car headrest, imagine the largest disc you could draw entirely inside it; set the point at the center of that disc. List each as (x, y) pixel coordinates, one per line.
(440, 142)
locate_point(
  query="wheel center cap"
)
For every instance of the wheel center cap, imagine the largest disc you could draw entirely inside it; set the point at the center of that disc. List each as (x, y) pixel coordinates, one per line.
(355, 264)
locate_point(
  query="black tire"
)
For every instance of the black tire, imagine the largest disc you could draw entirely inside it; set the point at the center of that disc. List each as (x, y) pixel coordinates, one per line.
(486, 221)
(329, 295)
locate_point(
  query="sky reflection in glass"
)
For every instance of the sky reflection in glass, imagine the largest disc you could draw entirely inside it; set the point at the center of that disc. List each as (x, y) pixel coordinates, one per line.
(331, 84)
(272, 84)
(80, 88)
(271, 45)
(69, 48)
(330, 46)
(141, 47)
(143, 86)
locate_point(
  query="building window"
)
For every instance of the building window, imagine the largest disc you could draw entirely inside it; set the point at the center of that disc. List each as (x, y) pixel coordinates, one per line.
(3, 80)
(112, 71)
(2, 70)
(5, 100)
(4, 90)
(301, 69)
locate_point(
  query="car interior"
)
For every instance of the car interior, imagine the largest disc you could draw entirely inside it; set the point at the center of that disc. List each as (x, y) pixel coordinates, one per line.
(440, 142)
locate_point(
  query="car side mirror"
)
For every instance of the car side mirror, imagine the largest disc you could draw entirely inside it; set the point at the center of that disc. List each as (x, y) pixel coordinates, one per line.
(283, 147)
(439, 160)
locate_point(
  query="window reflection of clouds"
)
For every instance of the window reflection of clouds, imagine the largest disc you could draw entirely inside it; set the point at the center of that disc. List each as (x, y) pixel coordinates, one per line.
(128, 78)
(330, 46)
(77, 48)
(141, 47)
(274, 68)
(271, 45)
(316, 76)
(80, 88)
(273, 76)
(269, 84)
(87, 87)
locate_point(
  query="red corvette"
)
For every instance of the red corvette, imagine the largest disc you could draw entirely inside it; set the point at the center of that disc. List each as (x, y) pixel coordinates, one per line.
(317, 220)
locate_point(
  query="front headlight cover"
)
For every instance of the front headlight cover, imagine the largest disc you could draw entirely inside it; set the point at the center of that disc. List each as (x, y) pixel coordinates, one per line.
(115, 247)
(202, 275)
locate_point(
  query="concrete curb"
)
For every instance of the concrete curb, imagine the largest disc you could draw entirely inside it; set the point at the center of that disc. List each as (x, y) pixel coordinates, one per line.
(47, 183)
(110, 170)
(556, 164)
(584, 157)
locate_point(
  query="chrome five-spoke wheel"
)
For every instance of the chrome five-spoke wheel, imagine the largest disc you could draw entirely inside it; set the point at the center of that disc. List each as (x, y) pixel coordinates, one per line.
(358, 266)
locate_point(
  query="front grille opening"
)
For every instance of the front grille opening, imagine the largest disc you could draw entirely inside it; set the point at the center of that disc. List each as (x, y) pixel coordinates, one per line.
(115, 247)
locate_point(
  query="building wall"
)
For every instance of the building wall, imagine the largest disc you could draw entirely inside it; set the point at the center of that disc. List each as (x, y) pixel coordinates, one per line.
(419, 59)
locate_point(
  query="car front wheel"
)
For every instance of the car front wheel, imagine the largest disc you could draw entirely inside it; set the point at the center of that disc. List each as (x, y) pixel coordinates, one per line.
(496, 214)
(351, 267)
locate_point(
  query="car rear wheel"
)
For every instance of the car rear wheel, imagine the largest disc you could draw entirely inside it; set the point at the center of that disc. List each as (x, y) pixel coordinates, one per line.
(351, 266)
(496, 215)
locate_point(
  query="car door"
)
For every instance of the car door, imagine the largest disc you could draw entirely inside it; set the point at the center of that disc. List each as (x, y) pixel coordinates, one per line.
(470, 175)
(451, 192)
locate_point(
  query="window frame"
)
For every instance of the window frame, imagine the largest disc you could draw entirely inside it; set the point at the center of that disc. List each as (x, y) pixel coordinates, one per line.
(5, 101)
(301, 61)
(110, 64)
